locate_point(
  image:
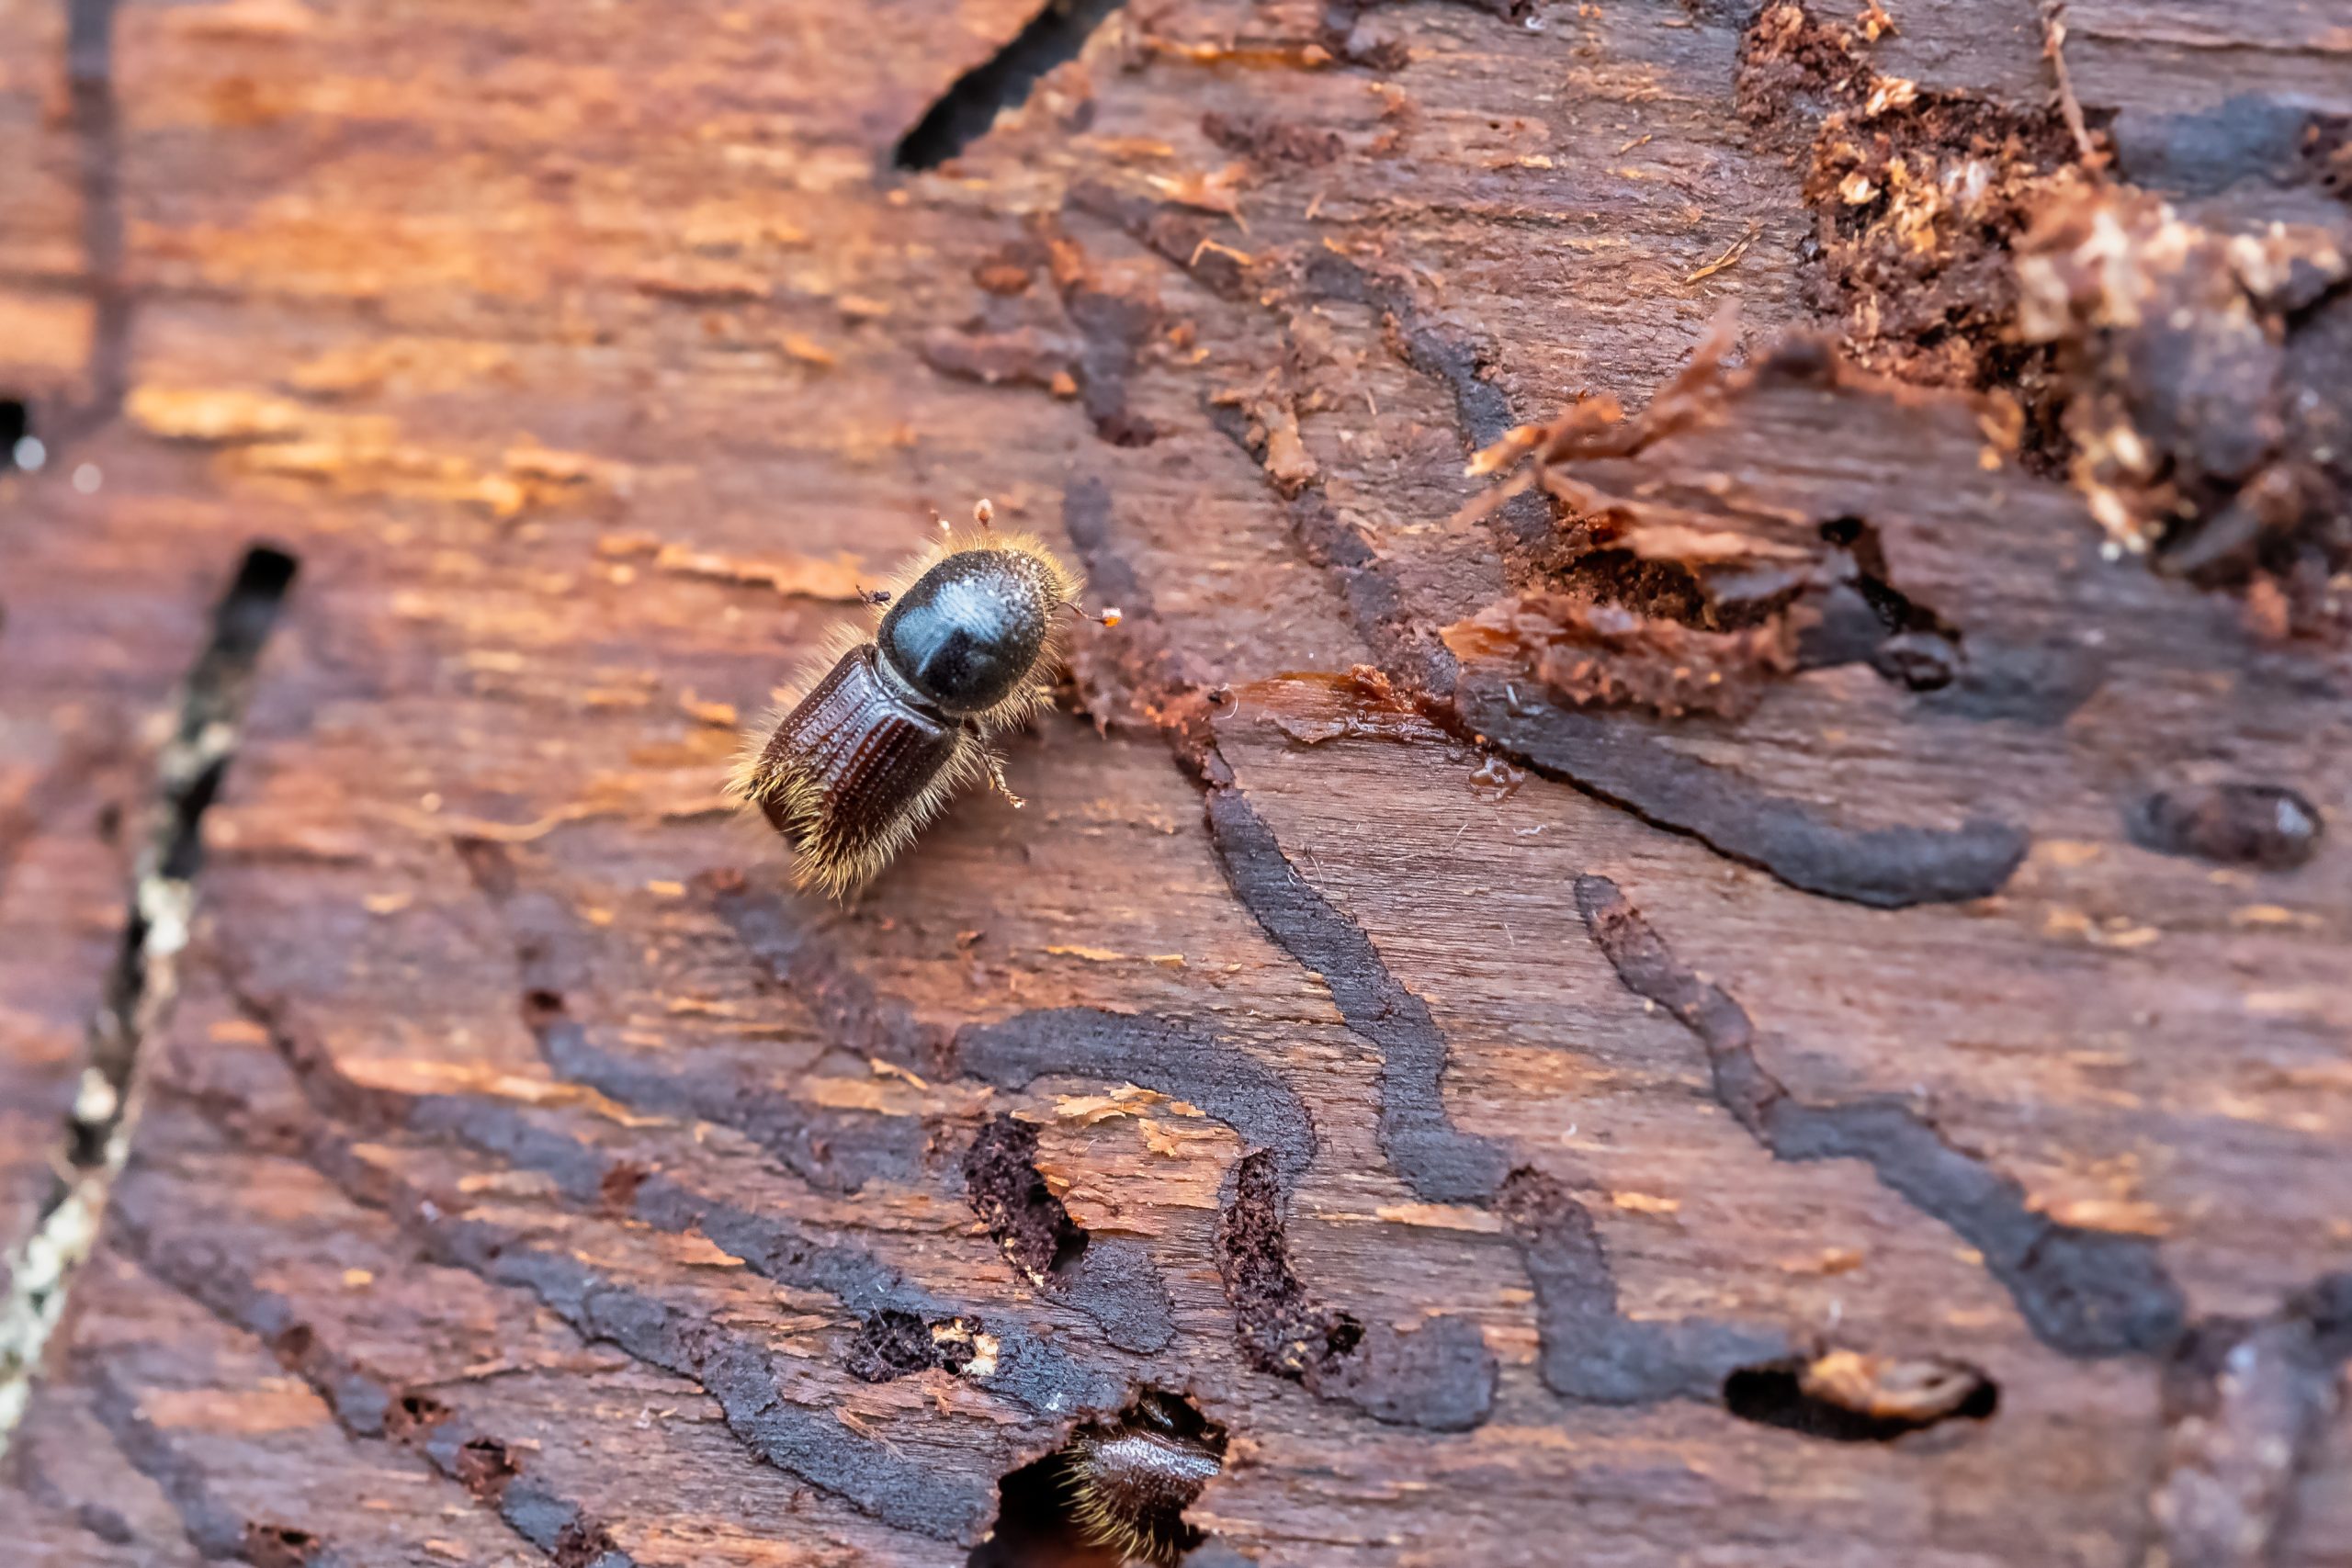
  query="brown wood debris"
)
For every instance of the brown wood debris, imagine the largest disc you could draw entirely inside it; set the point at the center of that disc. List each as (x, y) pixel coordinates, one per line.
(2209, 406)
(1605, 655)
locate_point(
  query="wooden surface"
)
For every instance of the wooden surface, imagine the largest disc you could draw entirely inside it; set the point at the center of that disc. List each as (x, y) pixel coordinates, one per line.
(1460, 1086)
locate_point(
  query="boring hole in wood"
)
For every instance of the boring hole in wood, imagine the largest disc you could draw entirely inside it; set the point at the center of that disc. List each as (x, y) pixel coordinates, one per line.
(965, 111)
(1115, 1493)
(15, 429)
(1781, 1393)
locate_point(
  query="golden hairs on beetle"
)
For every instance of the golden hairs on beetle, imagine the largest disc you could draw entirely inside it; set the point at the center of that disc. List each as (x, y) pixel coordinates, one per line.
(1130, 1482)
(897, 720)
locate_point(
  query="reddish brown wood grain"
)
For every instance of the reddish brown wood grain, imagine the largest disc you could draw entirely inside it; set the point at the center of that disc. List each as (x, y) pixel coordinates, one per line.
(1481, 1105)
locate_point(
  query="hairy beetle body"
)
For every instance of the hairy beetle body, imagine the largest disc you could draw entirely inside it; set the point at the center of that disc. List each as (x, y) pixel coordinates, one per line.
(852, 771)
(896, 721)
(1131, 1483)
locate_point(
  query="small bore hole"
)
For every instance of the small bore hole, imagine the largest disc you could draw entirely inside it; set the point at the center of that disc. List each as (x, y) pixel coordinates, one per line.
(1116, 1494)
(20, 447)
(1849, 1398)
(965, 111)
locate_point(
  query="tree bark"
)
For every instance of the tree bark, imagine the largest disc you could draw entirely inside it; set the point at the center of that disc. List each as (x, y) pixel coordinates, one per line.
(1761, 977)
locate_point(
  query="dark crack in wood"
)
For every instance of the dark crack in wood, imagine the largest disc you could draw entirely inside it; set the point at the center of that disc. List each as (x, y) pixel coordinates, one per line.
(143, 981)
(1438, 1161)
(215, 1528)
(2083, 1293)
(364, 1405)
(1441, 1377)
(964, 114)
(1591, 1351)
(1885, 868)
(736, 1369)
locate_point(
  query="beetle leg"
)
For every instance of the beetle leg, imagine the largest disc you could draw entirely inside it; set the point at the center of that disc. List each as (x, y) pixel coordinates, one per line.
(995, 766)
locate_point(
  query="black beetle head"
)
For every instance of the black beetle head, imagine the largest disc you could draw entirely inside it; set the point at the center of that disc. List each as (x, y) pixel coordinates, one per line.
(971, 629)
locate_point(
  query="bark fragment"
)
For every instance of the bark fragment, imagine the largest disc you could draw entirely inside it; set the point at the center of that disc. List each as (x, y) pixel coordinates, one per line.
(2209, 390)
(1605, 655)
